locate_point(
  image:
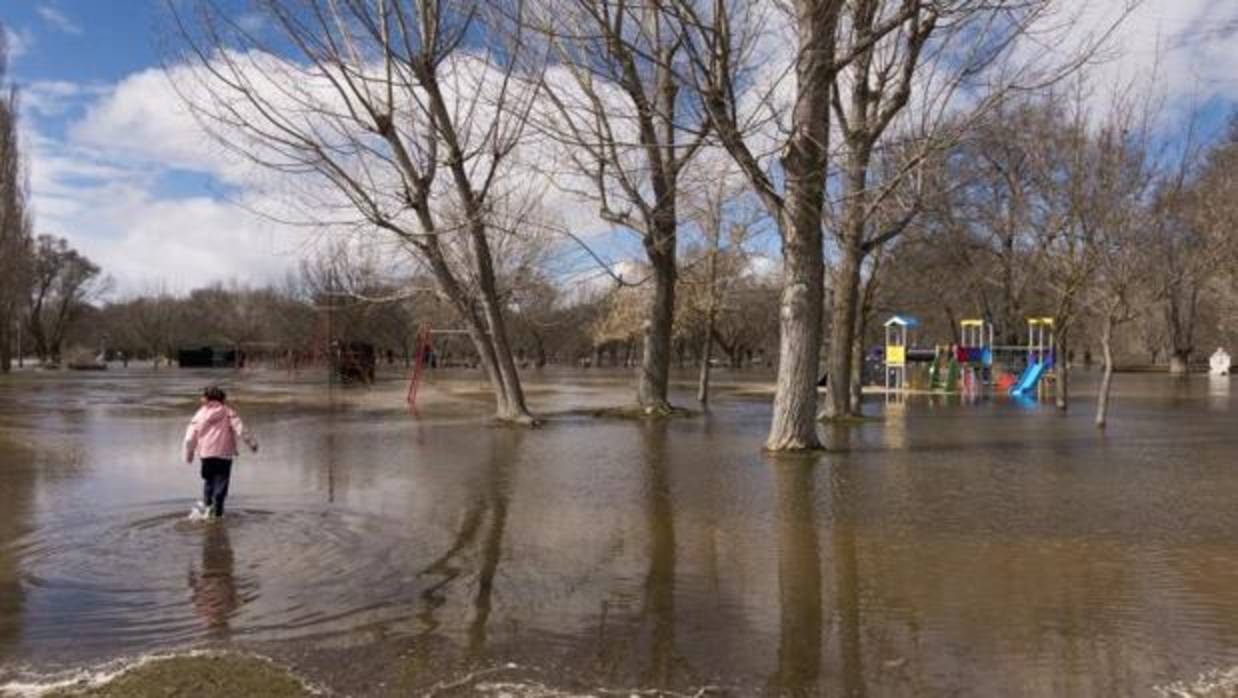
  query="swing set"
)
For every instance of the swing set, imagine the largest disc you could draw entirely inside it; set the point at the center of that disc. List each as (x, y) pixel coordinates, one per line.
(424, 355)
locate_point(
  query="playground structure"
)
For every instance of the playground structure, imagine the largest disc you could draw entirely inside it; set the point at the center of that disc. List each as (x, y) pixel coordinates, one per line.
(424, 357)
(897, 340)
(969, 365)
(1041, 354)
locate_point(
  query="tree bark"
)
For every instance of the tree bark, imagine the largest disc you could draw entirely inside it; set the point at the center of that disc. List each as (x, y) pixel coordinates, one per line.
(654, 370)
(794, 423)
(1106, 381)
(707, 355)
(842, 329)
(856, 406)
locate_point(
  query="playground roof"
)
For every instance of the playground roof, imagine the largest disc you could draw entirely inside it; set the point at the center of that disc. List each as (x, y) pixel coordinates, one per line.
(903, 320)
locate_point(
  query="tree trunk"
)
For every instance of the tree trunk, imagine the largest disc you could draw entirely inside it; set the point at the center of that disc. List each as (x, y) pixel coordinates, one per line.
(842, 330)
(794, 422)
(707, 354)
(1102, 396)
(1180, 362)
(512, 408)
(6, 347)
(857, 375)
(40, 340)
(654, 372)
(487, 331)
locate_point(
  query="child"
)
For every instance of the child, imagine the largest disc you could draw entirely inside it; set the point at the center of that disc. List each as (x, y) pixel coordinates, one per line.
(212, 434)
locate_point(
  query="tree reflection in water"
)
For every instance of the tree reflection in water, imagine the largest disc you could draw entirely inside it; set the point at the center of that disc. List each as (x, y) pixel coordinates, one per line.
(490, 503)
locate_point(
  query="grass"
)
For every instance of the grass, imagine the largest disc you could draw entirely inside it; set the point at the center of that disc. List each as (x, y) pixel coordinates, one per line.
(199, 676)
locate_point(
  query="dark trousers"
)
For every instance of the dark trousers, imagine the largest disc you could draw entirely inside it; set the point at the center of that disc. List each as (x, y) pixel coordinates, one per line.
(215, 475)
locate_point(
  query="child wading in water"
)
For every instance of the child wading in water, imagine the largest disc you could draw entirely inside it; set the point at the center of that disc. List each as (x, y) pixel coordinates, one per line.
(212, 434)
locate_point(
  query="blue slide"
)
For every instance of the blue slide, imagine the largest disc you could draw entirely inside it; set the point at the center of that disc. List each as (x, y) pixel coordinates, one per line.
(1030, 377)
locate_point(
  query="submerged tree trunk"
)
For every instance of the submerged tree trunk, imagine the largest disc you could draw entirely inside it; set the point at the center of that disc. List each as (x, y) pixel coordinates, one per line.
(1106, 381)
(1180, 362)
(847, 274)
(489, 335)
(842, 333)
(857, 358)
(653, 374)
(707, 356)
(794, 423)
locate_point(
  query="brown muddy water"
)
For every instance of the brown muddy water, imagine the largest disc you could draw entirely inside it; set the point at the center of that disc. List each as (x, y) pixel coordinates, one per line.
(990, 549)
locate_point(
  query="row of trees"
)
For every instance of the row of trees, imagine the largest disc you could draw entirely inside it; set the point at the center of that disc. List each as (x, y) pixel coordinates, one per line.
(297, 320)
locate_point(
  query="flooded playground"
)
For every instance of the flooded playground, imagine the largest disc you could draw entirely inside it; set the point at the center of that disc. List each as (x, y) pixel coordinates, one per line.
(939, 548)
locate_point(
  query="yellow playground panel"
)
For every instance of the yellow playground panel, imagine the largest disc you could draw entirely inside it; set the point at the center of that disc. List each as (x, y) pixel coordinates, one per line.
(897, 336)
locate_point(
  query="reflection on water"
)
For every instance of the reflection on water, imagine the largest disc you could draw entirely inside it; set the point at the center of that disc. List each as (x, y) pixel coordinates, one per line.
(799, 578)
(942, 548)
(211, 584)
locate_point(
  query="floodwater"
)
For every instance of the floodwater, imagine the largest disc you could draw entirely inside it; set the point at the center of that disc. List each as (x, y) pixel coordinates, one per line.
(941, 548)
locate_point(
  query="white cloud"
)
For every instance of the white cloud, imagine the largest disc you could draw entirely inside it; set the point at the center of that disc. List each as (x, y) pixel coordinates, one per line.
(113, 212)
(58, 19)
(19, 42)
(145, 119)
(105, 184)
(53, 98)
(1179, 50)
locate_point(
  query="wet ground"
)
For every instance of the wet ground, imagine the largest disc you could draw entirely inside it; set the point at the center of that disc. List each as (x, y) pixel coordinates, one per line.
(941, 548)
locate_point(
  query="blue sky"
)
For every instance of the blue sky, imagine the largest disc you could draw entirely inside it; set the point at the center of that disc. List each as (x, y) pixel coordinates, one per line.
(120, 169)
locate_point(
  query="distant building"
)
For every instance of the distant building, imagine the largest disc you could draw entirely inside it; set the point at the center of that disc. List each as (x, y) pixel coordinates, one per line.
(209, 357)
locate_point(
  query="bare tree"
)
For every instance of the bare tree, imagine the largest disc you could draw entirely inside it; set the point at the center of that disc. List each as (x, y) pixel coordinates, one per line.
(63, 281)
(727, 222)
(721, 43)
(151, 320)
(1112, 202)
(615, 102)
(407, 121)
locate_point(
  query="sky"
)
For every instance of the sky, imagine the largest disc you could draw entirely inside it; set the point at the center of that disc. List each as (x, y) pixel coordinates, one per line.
(120, 169)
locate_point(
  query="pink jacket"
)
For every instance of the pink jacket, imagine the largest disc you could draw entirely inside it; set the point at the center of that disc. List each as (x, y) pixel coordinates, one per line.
(212, 433)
